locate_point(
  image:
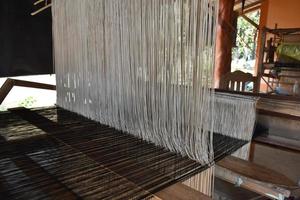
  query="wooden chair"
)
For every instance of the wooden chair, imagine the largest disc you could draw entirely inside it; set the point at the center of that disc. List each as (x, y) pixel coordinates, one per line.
(237, 81)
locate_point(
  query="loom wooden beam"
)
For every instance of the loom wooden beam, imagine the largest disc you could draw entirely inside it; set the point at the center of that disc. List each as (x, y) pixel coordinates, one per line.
(262, 111)
(254, 177)
(180, 191)
(10, 83)
(262, 95)
(277, 143)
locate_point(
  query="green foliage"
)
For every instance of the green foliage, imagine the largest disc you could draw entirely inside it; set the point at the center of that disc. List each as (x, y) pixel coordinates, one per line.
(28, 102)
(246, 37)
(2, 108)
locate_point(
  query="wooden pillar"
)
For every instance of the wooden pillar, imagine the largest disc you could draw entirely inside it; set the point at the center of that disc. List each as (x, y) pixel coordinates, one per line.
(261, 85)
(262, 23)
(225, 31)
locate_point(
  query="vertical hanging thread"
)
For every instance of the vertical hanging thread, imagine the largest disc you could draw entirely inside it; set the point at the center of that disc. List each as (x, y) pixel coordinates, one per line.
(146, 67)
(141, 66)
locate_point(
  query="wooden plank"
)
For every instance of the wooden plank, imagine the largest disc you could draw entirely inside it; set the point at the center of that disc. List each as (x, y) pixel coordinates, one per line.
(282, 161)
(278, 142)
(284, 109)
(278, 114)
(180, 191)
(262, 188)
(255, 172)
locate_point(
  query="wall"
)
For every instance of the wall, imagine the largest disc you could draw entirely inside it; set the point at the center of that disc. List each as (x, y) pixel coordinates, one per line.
(286, 13)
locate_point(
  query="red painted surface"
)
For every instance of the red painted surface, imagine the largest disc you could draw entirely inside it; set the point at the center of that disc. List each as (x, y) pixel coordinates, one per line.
(284, 13)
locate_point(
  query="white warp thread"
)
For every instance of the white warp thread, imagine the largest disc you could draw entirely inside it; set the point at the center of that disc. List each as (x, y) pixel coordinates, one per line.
(146, 67)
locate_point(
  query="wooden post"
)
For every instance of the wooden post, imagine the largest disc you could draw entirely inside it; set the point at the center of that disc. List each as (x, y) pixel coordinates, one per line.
(224, 40)
(260, 42)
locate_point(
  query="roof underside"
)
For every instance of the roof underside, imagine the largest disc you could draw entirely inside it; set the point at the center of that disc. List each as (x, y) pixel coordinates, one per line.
(250, 5)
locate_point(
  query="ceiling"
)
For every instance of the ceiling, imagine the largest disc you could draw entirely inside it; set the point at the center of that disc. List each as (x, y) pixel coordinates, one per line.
(250, 5)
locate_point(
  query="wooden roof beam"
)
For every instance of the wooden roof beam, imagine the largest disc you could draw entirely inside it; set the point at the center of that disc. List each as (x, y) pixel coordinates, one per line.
(251, 9)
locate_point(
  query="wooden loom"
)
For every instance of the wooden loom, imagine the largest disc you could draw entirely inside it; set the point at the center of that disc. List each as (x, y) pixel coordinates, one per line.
(24, 114)
(25, 131)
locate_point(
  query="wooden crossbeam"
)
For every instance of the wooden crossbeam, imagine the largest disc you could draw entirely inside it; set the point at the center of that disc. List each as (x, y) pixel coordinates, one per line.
(10, 83)
(279, 143)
